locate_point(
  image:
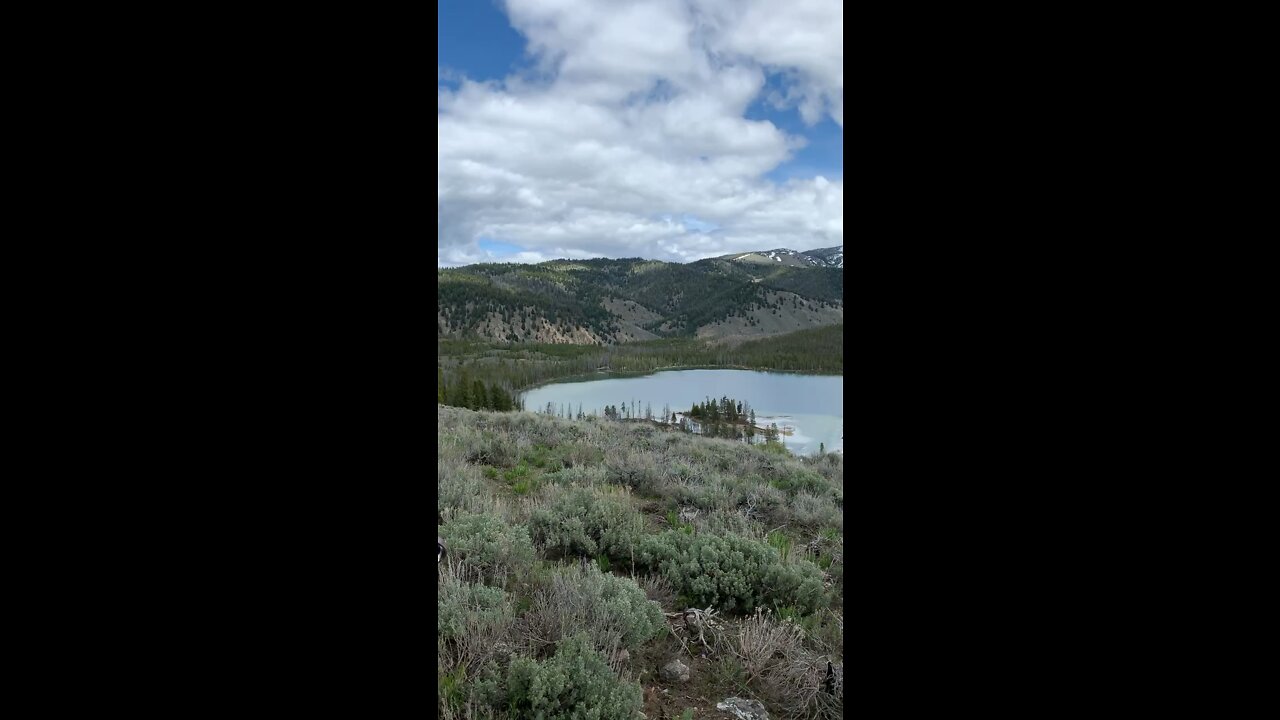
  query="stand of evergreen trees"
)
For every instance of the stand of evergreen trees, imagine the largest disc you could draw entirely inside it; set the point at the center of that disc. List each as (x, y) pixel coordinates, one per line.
(473, 394)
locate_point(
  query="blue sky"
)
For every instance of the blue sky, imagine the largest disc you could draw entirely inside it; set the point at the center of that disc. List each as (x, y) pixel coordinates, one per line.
(668, 129)
(824, 153)
(476, 38)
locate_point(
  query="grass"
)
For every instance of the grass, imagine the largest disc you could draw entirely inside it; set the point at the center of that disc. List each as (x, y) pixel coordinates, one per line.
(780, 542)
(673, 519)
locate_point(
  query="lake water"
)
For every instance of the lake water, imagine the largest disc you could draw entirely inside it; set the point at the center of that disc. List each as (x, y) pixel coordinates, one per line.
(812, 406)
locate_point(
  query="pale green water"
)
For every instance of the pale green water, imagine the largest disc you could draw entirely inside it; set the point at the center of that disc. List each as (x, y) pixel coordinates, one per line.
(813, 405)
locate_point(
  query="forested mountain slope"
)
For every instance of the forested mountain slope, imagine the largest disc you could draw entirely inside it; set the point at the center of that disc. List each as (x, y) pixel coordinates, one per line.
(609, 301)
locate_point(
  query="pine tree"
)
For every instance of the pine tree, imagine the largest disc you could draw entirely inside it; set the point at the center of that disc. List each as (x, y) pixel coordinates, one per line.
(462, 398)
(499, 398)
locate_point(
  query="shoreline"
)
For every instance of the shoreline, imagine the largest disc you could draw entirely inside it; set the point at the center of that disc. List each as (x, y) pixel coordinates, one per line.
(607, 374)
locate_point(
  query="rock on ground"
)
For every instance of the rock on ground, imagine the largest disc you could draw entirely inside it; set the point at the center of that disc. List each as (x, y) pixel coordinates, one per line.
(675, 671)
(744, 709)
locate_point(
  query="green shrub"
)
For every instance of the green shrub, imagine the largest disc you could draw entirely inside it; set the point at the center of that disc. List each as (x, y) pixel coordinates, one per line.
(460, 490)
(728, 671)
(450, 687)
(544, 457)
(463, 608)
(731, 572)
(815, 510)
(496, 449)
(587, 523)
(614, 611)
(776, 448)
(791, 479)
(767, 502)
(475, 627)
(702, 496)
(797, 583)
(585, 476)
(637, 470)
(488, 545)
(575, 684)
(726, 522)
(825, 631)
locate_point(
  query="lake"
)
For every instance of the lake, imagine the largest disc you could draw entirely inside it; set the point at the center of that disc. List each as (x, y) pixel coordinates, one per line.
(812, 406)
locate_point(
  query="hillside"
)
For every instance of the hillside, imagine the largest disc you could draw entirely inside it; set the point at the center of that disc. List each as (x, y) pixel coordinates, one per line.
(832, 257)
(575, 549)
(606, 301)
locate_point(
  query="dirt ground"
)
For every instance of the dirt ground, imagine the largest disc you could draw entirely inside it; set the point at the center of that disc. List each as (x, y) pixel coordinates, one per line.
(668, 701)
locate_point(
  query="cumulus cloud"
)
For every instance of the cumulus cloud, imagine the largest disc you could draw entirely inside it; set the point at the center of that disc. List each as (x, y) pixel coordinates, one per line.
(627, 136)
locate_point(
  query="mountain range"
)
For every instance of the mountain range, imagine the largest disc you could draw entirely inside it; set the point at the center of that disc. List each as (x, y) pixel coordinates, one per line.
(822, 257)
(609, 301)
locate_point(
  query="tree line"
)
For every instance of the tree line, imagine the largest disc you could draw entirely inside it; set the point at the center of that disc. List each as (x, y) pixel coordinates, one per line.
(723, 418)
(474, 393)
(509, 368)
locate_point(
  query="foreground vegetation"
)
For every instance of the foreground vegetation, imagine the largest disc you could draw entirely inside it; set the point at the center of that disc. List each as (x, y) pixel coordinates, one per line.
(576, 546)
(488, 376)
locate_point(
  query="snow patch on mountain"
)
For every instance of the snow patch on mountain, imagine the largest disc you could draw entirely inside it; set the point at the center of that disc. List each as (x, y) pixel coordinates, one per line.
(832, 257)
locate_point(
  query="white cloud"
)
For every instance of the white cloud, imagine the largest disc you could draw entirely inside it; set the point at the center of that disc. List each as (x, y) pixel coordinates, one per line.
(803, 37)
(634, 120)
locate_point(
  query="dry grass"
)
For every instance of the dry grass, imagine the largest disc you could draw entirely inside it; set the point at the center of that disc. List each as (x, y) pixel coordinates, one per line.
(658, 589)
(780, 665)
(763, 645)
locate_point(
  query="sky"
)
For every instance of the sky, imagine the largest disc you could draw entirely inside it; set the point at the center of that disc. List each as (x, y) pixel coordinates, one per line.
(670, 130)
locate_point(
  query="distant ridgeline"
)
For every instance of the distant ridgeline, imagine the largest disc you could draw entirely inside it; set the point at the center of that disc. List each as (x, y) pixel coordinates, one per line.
(486, 375)
(606, 301)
